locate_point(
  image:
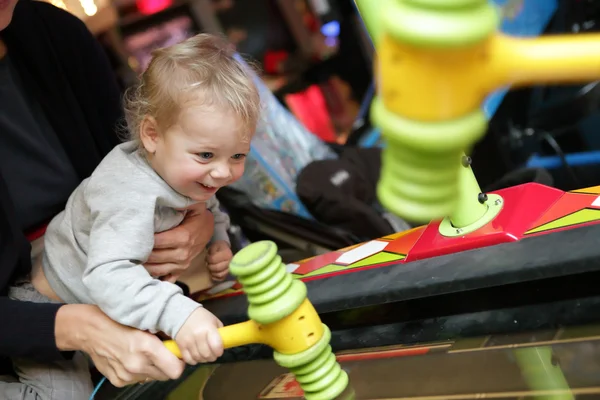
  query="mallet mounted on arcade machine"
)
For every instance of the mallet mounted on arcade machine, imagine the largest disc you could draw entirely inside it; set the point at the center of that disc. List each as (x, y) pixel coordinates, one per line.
(437, 60)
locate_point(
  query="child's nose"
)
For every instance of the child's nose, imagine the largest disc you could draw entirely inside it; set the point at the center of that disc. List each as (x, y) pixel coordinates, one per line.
(221, 172)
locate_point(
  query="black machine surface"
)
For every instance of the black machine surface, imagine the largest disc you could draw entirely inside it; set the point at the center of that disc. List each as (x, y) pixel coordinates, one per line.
(537, 284)
(551, 364)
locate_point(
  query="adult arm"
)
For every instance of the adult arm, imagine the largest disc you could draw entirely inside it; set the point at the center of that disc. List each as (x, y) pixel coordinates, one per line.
(93, 80)
(52, 331)
(28, 330)
(124, 355)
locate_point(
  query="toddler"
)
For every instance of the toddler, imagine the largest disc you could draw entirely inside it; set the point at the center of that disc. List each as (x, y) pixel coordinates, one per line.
(191, 121)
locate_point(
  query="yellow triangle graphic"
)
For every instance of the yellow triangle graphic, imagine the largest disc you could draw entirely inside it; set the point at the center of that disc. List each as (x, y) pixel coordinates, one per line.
(374, 259)
(578, 217)
(323, 270)
(590, 190)
(378, 258)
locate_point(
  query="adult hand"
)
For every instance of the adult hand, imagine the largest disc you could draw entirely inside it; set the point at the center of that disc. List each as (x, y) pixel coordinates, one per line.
(175, 249)
(122, 354)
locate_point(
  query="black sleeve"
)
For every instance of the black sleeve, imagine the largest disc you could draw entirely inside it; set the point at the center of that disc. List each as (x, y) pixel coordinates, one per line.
(93, 81)
(102, 82)
(28, 330)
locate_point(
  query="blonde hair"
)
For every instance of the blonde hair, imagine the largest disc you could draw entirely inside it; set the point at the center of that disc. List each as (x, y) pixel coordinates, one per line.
(203, 64)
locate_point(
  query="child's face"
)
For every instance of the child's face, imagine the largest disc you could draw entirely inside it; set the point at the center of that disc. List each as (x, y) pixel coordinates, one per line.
(202, 151)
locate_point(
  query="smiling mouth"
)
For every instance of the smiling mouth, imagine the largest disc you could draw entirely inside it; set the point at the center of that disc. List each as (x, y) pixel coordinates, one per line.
(205, 186)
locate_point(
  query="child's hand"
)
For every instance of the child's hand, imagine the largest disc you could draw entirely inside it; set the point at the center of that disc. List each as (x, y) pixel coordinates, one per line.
(218, 258)
(198, 339)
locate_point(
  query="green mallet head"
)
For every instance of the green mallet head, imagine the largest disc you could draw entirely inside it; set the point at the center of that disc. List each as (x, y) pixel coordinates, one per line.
(288, 322)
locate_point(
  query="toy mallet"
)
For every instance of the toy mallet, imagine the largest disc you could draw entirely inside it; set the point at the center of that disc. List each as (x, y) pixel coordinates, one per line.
(282, 317)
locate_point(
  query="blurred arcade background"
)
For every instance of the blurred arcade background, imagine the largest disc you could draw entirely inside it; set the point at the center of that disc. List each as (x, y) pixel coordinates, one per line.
(315, 75)
(313, 54)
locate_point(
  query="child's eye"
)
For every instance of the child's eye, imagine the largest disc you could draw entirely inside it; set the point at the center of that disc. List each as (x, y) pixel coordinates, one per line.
(238, 156)
(206, 155)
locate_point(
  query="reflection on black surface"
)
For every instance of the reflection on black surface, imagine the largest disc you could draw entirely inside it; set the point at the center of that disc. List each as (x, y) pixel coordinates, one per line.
(560, 364)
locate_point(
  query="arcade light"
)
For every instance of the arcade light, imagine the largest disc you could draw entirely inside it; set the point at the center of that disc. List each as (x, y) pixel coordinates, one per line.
(89, 7)
(59, 4)
(80, 8)
(149, 7)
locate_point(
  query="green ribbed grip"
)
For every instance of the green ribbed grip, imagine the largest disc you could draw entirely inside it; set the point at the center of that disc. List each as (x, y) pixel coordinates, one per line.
(317, 371)
(421, 162)
(272, 292)
(439, 23)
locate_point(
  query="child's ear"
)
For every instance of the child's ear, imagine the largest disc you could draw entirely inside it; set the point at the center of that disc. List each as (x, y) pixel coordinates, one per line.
(149, 134)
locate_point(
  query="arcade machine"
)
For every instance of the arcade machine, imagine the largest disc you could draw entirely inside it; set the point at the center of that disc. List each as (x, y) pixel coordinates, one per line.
(146, 25)
(496, 296)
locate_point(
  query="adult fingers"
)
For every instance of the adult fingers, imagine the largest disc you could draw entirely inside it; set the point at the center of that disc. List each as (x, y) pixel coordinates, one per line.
(115, 371)
(110, 373)
(162, 256)
(165, 361)
(156, 374)
(157, 270)
(196, 228)
(173, 238)
(140, 368)
(171, 278)
(123, 377)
